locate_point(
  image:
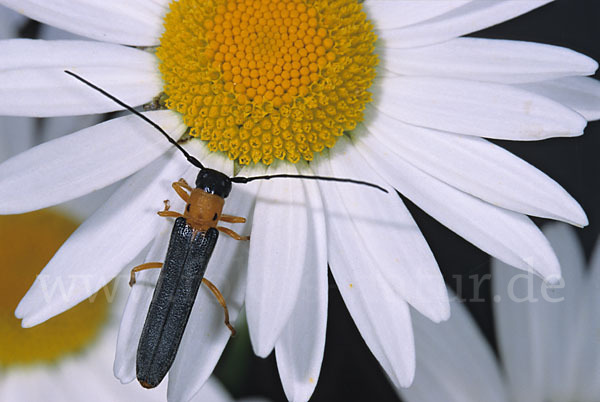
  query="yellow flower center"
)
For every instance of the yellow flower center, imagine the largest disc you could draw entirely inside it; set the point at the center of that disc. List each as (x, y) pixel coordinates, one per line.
(27, 242)
(265, 79)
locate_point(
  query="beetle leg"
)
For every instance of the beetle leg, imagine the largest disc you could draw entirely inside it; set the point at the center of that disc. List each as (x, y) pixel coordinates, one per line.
(180, 187)
(231, 233)
(148, 265)
(232, 219)
(170, 214)
(221, 300)
(184, 184)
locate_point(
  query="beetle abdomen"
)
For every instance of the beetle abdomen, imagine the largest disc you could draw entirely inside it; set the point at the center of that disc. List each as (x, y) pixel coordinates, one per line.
(180, 278)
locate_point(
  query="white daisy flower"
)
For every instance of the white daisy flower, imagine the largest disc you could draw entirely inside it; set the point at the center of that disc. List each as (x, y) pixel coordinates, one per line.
(547, 335)
(255, 96)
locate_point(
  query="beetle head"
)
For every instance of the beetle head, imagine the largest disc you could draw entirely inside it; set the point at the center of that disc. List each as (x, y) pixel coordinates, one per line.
(213, 182)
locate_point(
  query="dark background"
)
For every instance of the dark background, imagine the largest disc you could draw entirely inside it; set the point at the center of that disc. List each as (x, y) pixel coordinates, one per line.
(349, 371)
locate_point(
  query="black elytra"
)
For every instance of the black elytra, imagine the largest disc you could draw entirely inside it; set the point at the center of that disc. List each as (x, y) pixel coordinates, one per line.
(173, 299)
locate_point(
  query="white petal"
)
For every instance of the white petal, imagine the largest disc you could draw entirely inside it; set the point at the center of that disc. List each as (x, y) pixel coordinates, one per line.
(95, 363)
(276, 261)
(10, 23)
(588, 355)
(537, 323)
(380, 314)
(503, 61)
(37, 53)
(16, 135)
(476, 108)
(507, 235)
(478, 167)
(88, 378)
(379, 226)
(386, 14)
(130, 392)
(205, 336)
(212, 391)
(55, 127)
(102, 245)
(135, 22)
(17, 385)
(519, 337)
(83, 207)
(35, 84)
(454, 362)
(473, 16)
(300, 348)
(581, 94)
(80, 163)
(564, 323)
(49, 32)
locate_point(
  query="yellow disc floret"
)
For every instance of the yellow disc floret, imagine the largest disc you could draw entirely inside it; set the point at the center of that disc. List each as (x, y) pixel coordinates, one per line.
(265, 79)
(27, 243)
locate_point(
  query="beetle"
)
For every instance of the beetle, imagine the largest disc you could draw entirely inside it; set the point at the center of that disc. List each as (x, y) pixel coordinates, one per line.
(192, 242)
(193, 239)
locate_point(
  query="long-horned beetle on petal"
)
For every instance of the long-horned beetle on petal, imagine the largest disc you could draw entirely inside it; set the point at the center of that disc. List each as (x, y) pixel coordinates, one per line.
(192, 242)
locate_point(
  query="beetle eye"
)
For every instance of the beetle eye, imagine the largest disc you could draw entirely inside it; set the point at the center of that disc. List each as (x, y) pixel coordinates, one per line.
(215, 217)
(187, 208)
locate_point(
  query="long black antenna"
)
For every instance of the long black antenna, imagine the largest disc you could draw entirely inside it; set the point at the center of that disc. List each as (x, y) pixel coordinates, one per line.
(189, 157)
(241, 179)
(198, 164)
